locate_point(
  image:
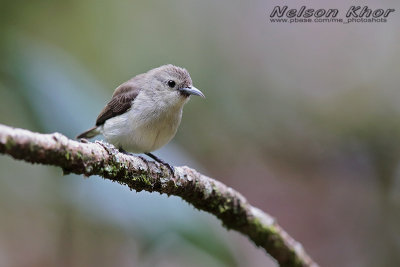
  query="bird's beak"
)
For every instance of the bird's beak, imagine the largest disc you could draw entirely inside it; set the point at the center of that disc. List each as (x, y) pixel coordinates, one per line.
(192, 91)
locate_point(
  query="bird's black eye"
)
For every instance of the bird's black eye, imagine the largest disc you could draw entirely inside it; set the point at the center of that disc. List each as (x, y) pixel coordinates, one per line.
(171, 83)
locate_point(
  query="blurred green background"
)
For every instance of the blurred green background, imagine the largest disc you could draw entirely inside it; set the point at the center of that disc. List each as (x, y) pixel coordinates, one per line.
(303, 119)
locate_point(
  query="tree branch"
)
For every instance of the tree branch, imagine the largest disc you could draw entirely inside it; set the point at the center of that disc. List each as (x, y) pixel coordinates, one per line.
(138, 174)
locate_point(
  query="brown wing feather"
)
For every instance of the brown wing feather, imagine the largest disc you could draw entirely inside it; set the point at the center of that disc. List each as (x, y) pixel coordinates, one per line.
(119, 103)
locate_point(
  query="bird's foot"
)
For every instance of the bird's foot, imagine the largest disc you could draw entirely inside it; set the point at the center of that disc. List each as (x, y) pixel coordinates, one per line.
(111, 150)
(170, 167)
(123, 151)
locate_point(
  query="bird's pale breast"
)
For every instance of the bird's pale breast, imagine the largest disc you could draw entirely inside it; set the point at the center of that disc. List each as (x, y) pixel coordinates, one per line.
(143, 130)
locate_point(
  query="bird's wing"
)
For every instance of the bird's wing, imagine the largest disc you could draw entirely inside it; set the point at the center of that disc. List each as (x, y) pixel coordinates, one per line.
(120, 102)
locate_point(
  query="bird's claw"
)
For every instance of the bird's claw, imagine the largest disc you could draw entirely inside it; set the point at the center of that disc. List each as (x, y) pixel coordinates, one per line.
(170, 167)
(123, 151)
(111, 150)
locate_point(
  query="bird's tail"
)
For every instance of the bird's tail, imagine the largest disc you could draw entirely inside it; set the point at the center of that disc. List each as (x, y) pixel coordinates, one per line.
(92, 132)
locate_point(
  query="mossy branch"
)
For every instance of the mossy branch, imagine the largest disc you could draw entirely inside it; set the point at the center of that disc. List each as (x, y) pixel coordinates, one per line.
(138, 174)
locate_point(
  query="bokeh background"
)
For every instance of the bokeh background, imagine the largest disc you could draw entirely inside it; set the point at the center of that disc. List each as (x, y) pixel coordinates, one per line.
(303, 119)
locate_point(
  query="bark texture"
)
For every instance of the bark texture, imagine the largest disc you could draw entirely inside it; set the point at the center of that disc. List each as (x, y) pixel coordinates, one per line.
(139, 174)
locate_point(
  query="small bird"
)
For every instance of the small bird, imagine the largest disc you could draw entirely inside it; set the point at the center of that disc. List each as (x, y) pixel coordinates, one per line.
(144, 113)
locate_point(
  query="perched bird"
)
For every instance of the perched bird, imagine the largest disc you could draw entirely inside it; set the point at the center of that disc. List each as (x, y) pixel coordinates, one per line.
(144, 113)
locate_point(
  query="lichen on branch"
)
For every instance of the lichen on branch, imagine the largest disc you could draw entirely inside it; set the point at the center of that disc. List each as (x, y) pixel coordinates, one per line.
(138, 174)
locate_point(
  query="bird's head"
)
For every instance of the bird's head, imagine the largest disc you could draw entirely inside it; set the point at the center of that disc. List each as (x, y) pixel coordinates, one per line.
(171, 84)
